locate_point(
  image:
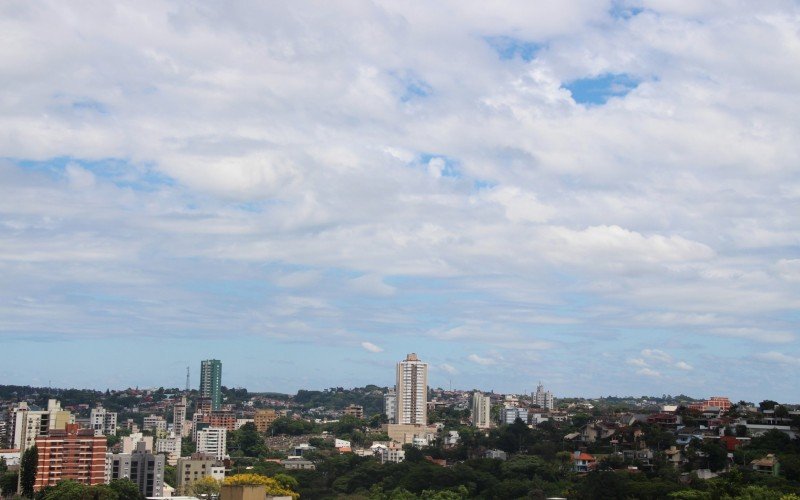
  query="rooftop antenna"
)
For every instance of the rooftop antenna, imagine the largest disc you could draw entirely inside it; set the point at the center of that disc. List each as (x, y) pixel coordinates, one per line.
(187, 379)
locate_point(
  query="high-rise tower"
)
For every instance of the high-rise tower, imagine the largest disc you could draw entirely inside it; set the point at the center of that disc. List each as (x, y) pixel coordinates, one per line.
(481, 410)
(211, 382)
(412, 391)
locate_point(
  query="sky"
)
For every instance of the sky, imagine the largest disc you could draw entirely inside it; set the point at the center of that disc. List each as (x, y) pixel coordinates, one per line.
(603, 196)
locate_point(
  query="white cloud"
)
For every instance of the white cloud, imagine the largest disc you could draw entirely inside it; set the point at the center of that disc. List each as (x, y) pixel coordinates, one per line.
(648, 372)
(448, 368)
(217, 153)
(369, 346)
(637, 362)
(657, 355)
(778, 357)
(481, 360)
(683, 365)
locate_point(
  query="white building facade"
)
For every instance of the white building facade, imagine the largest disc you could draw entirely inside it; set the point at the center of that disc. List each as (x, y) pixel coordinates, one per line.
(412, 391)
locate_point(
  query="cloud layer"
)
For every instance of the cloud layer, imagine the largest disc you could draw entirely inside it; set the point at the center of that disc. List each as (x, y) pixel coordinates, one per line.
(521, 186)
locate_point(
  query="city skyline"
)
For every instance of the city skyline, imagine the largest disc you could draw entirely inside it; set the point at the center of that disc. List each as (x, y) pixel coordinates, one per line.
(599, 195)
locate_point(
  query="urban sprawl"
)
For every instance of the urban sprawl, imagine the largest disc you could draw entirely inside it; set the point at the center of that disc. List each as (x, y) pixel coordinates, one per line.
(408, 441)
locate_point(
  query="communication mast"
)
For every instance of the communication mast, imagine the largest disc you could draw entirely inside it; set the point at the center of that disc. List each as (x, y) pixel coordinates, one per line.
(187, 379)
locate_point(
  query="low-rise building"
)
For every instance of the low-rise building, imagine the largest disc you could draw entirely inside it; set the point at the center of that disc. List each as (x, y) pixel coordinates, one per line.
(583, 462)
(196, 467)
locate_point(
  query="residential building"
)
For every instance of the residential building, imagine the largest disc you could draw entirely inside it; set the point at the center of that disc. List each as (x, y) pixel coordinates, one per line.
(156, 424)
(583, 462)
(406, 433)
(263, 419)
(147, 471)
(716, 403)
(495, 454)
(412, 391)
(29, 422)
(70, 453)
(296, 463)
(213, 440)
(510, 415)
(129, 442)
(481, 415)
(390, 406)
(118, 466)
(179, 418)
(241, 422)
(211, 382)
(103, 422)
(194, 468)
(543, 399)
(766, 465)
(226, 419)
(355, 411)
(171, 445)
(390, 452)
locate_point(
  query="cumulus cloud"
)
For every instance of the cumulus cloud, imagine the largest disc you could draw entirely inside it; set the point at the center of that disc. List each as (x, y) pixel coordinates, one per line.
(448, 368)
(484, 361)
(683, 365)
(778, 357)
(431, 173)
(637, 362)
(369, 346)
(657, 355)
(648, 372)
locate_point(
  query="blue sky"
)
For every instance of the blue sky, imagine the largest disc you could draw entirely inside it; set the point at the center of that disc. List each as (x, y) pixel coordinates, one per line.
(599, 195)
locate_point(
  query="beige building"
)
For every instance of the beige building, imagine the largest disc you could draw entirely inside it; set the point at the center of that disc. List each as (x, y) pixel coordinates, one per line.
(481, 410)
(412, 391)
(30, 423)
(407, 433)
(355, 411)
(263, 419)
(196, 467)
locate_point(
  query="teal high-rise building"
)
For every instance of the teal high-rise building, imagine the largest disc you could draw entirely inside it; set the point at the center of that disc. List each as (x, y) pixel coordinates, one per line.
(211, 382)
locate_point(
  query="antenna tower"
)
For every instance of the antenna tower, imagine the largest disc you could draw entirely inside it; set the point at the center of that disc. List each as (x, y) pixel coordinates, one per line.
(187, 379)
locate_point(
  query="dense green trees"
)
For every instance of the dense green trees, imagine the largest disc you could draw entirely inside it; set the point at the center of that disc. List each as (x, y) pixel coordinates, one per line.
(27, 471)
(118, 489)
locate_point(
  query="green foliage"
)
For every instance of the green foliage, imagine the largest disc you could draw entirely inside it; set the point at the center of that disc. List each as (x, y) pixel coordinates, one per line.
(8, 483)
(246, 441)
(292, 427)
(28, 466)
(169, 475)
(125, 489)
(370, 397)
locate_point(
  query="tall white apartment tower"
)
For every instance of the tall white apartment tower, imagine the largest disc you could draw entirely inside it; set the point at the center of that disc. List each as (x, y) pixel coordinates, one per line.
(542, 398)
(412, 391)
(179, 417)
(481, 410)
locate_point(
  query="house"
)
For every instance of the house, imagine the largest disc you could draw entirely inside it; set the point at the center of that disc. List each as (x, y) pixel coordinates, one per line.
(766, 465)
(295, 463)
(644, 456)
(583, 462)
(664, 419)
(594, 431)
(675, 456)
(496, 454)
(730, 443)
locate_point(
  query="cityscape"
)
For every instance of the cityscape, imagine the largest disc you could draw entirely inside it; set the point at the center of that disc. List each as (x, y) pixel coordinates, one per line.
(375, 442)
(400, 250)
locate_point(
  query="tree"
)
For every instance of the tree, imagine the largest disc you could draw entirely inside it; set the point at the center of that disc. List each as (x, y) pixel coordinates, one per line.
(767, 404)
(205, 487)
(8, 483)
(28, 466)
(272, 485)
(125, 489)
